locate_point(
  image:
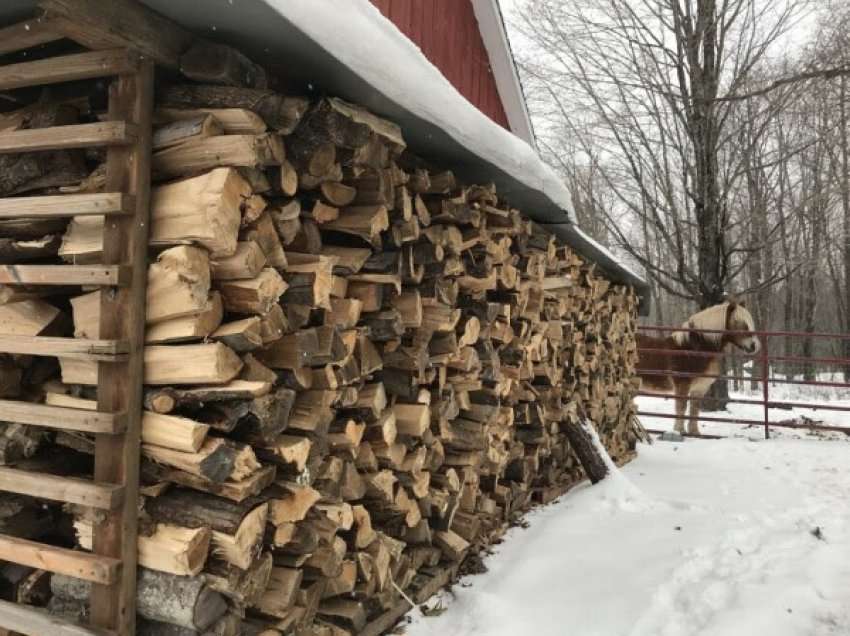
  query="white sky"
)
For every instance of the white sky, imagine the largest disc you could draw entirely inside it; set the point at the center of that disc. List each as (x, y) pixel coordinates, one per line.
(795, 38)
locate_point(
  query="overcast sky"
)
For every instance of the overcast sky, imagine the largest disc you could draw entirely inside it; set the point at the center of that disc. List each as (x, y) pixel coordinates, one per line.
(795, 38)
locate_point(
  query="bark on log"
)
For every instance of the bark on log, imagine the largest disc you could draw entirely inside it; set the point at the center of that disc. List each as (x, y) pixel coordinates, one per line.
(582, 444)
(280, 112)
(180, 600)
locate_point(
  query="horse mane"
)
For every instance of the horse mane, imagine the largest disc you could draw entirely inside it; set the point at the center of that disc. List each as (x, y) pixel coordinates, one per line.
(715, 318)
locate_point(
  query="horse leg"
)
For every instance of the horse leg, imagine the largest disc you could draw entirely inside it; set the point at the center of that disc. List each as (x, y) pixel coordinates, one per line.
(681, 406)
(693, 422)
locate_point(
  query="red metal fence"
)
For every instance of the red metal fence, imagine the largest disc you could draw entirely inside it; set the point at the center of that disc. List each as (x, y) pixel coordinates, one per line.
(762, 360)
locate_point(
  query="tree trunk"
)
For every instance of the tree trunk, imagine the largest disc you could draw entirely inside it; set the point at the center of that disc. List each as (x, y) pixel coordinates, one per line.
(845, 217)
(708, 207)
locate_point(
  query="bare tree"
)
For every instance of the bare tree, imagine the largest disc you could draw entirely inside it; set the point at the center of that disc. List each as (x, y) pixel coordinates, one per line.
(641, 87)
(651, 88)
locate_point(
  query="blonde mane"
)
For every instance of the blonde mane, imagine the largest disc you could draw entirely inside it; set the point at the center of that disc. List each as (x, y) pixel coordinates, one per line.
(715, 318)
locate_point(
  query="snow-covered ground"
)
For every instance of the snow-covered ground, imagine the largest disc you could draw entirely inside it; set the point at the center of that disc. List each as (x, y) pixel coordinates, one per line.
(707, 537)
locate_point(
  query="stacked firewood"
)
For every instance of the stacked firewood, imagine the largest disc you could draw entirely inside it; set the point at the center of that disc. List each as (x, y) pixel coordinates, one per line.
(358, 370)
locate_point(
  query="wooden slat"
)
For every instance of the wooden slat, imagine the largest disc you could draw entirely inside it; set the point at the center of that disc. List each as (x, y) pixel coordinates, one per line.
(66, 205)
(81, 565)
(104, 133)
(79, 348)
(68, 68)
(65, 489)
(114, 275)
(122, 316)
(27, 34)
(61, 417)
(25, 619)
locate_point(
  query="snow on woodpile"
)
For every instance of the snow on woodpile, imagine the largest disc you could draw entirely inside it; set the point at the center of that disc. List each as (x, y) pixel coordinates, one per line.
(355, 32)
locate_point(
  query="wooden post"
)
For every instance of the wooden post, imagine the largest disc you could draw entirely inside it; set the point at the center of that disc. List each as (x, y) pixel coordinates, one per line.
(122, 316)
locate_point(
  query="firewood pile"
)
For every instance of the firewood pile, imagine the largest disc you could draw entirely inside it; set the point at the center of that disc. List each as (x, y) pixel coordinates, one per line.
(358, 369)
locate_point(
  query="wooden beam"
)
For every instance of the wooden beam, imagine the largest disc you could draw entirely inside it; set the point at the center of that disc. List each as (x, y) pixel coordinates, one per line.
(105, 133)
(81, 565)
(25, 619)
(65, 489)
(60, 417)
(111, 275)
(67, 68)
(122, 316)
(26, 34)
(78, 348)
(66, 205)
(97, 24)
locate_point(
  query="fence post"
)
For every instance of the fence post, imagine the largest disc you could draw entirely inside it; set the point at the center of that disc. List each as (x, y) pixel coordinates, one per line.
(765, 374)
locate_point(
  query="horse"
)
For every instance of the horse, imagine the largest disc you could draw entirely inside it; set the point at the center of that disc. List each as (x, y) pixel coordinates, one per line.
(728, 316)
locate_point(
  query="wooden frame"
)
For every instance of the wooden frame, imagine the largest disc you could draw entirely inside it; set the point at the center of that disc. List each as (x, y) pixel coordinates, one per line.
(116, 424)
(122, 317)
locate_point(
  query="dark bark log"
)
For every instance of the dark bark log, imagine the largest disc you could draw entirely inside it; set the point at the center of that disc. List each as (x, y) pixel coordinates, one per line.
(280, 112)
(193, 509)
(221, 64)
(584, 448)
(17, 251)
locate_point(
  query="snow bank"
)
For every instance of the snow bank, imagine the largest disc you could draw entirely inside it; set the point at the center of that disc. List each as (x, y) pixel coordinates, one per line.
(742, 538)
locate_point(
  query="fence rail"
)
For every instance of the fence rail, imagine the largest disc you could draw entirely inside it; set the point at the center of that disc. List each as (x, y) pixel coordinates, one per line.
(762, 359)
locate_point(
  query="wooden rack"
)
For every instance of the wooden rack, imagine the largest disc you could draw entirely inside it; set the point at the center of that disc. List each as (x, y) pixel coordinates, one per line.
(111, 566)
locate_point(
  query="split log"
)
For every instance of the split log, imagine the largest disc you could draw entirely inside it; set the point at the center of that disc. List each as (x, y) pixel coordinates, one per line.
(200, 154)
(256, 295)
(217, 460)
(190, 364)
(280, 595)
(233, 121)
(205, 210)
(244, 588)
(237, 528)
(191, 327)
(241, 335)
(178, 284)
(166, 399)
(29, 318)
(200, 126)
(247, 262)
(171, 549)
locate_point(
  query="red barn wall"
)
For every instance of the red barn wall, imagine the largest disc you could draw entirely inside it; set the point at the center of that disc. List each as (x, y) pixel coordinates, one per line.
(447, 32)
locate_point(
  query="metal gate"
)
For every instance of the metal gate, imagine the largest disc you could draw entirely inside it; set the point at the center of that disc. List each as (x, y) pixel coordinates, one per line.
(819, 371)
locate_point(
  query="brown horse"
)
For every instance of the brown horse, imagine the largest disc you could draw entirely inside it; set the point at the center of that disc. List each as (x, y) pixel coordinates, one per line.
(729, 316)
